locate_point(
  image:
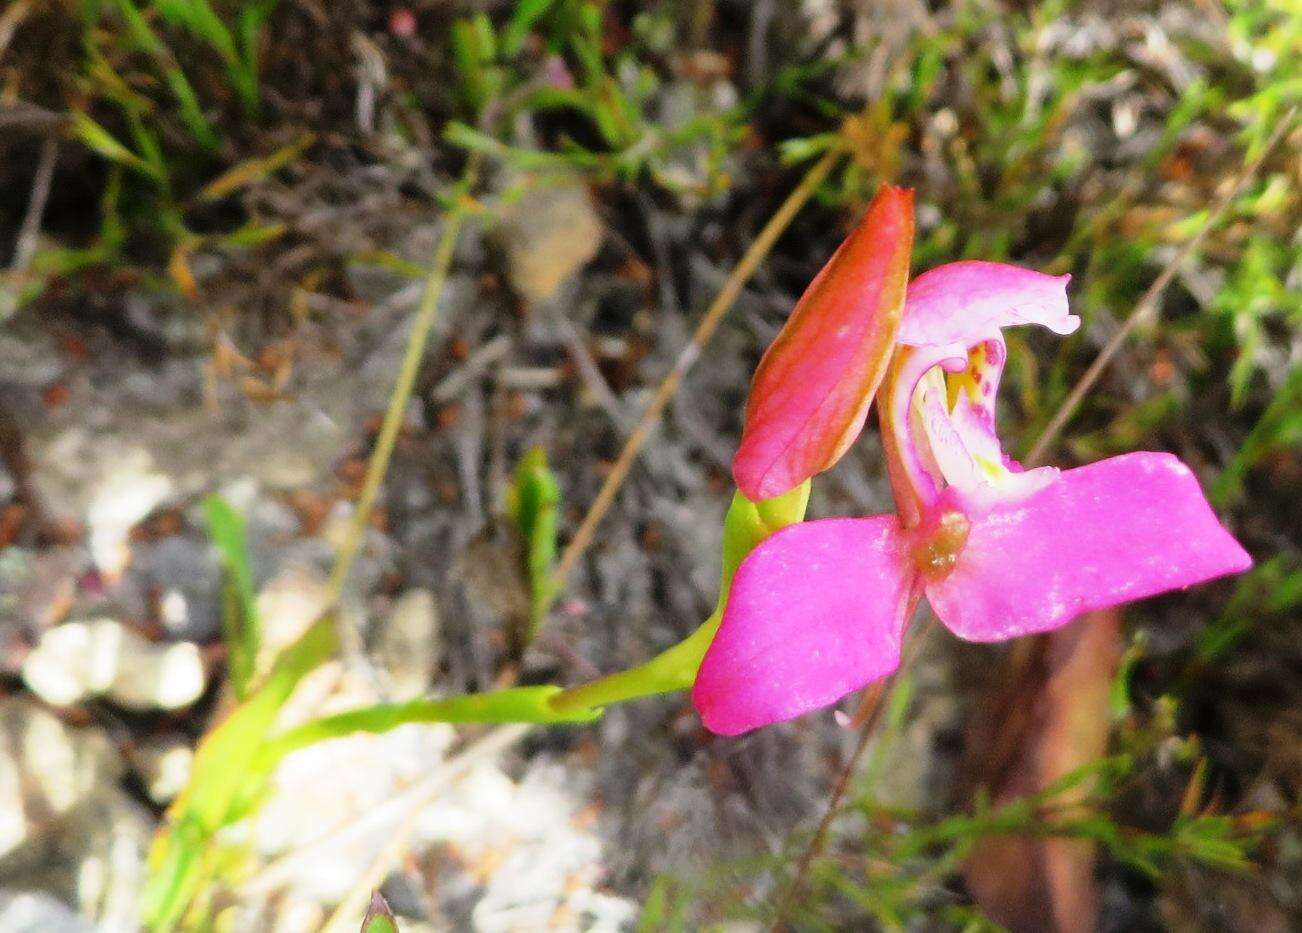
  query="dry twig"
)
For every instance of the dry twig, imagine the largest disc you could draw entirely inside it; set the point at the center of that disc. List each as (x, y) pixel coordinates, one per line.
(1146, 308)
(710, 321)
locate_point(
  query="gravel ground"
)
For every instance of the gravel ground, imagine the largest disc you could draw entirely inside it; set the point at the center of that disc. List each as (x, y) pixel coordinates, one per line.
(123, 404)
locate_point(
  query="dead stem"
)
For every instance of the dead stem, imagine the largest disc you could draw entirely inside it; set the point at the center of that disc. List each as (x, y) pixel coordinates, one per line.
(710, 321)
(1146, 308)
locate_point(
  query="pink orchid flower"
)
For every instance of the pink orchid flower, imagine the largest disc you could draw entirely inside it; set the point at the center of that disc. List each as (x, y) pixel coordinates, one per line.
(819, 609)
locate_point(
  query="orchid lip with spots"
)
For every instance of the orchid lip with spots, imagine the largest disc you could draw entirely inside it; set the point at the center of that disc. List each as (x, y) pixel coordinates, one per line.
(819, 609)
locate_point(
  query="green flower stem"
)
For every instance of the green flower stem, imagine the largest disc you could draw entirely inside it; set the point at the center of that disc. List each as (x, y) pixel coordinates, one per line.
(378, 465)
(515, 704)
(746, 525)
(671, 670)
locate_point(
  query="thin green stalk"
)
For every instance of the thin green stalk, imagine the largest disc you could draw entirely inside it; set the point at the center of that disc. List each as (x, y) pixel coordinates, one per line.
(672, 670)
(515, 704)
(425, 316)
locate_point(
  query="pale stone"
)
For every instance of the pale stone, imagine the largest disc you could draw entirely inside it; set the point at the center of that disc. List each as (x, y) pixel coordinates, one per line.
(47, 769)
(548, 234)
(78, 660)
(165, 768)
(125, 495)
(407, 644)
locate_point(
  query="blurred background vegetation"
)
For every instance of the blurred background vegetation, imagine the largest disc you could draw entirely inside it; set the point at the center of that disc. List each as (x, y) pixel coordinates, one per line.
(215, 219)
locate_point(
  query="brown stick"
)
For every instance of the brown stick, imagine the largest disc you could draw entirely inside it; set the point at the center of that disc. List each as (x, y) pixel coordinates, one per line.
(710, 321)
(1147, 306)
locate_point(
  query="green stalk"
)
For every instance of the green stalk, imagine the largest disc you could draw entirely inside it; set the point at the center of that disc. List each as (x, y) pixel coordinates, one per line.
(672, 670)
(393, 415)
(515, 704)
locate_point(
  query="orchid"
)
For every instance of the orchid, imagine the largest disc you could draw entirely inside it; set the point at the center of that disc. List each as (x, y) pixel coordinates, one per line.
(818, 609)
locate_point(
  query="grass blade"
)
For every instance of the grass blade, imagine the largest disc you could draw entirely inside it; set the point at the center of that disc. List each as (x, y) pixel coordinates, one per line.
(221, 779)
(240, 615)
(534, 502)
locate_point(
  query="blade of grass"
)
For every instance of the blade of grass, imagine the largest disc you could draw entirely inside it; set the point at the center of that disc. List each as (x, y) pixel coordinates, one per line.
(100, 140)
(199, 19)
(251, 170)
(142, 34)
(248, 30)
(534, 502)
(240, 613)
(220, 779)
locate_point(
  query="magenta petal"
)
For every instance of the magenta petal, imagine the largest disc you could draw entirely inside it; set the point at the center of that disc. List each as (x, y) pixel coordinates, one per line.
(967, 302)
(815, 612)
(1100, 535)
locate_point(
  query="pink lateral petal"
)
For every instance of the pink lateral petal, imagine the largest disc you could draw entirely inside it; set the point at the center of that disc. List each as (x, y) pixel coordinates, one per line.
(968, 302)
(815, 612)
(812, 389)
(1100, 535)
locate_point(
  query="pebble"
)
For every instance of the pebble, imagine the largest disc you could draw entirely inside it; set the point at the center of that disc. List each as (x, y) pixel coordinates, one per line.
(547, 235)
(102, 657)
(407, 644)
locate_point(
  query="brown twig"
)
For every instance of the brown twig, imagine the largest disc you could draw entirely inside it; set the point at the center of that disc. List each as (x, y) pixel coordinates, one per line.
(1146, 308)
(637, 438)
(10, 20)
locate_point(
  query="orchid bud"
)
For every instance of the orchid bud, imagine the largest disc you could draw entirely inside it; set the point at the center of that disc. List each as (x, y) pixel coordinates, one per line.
(813, 387)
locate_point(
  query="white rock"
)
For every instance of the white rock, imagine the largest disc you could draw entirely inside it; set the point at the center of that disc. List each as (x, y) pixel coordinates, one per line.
(79, 660)
(47, 769)
(125, 495)
(407, 645)
(164, 765)
(38, 912)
